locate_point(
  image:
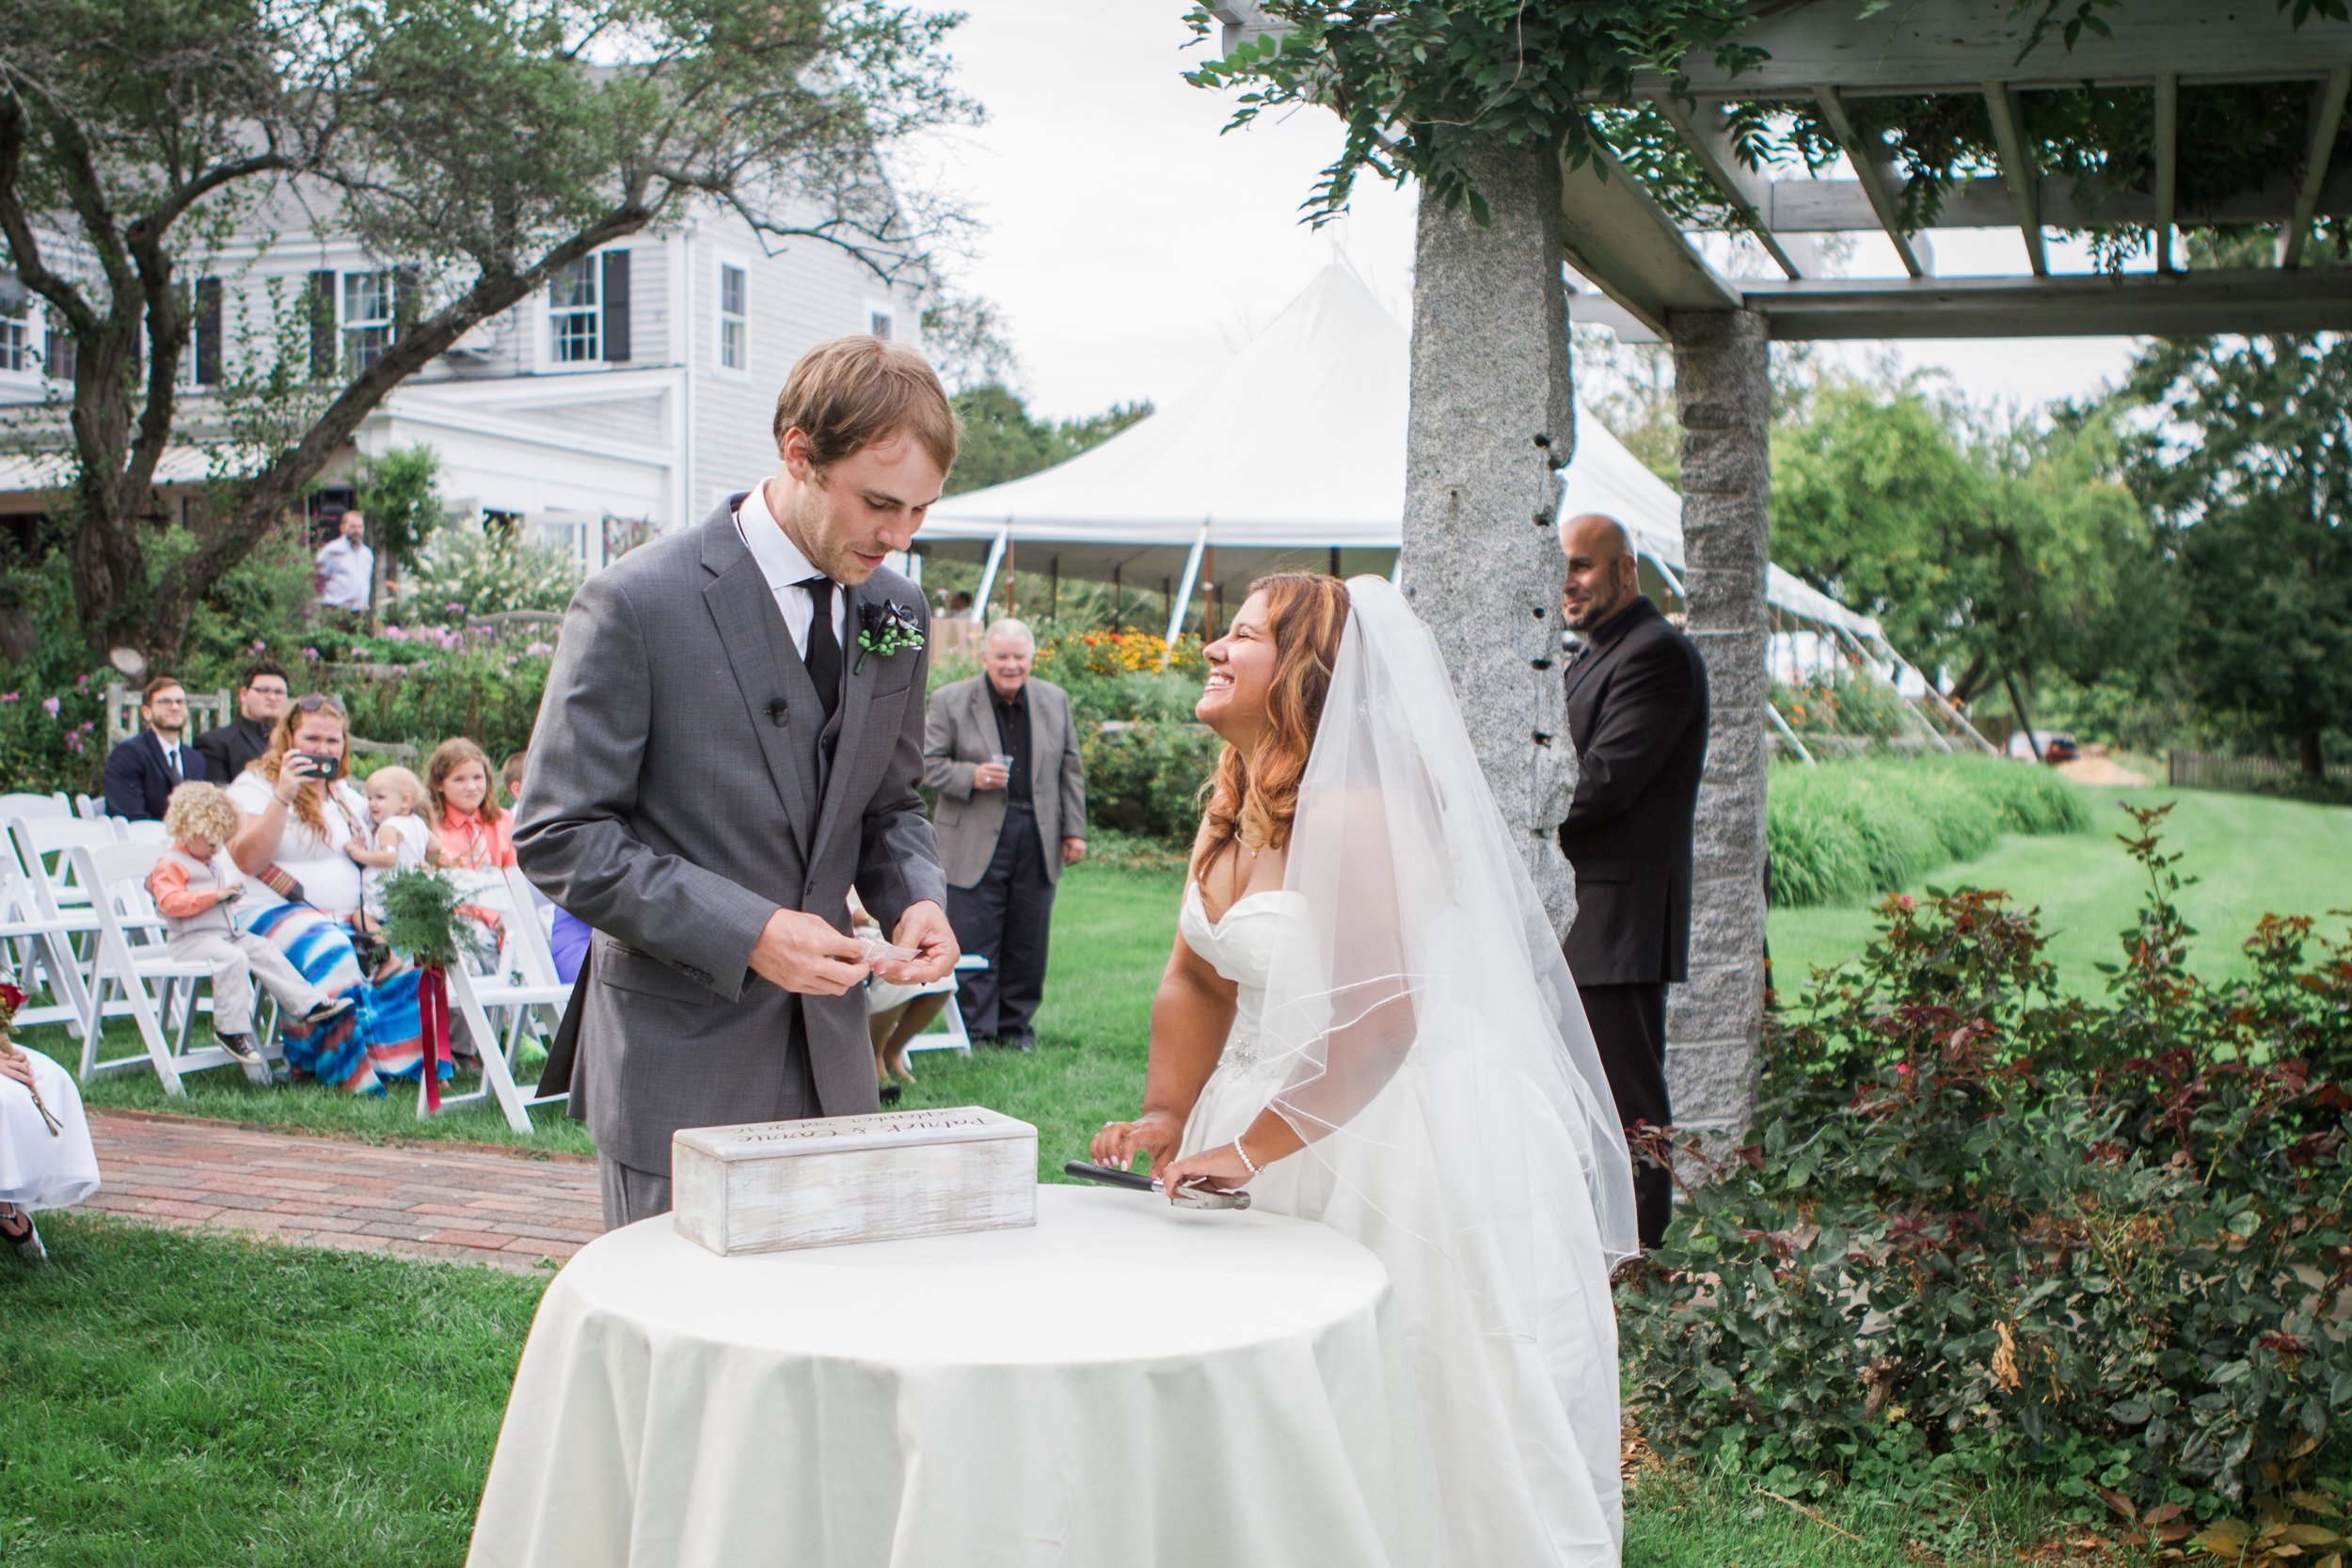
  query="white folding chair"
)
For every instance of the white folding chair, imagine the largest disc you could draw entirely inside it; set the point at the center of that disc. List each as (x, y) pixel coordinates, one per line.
(38, 953)
(140, 830)
(65, 953)
(520, 989)
(14, 806)
(951, 1034)
(131, 956)
(90, 808)
(42, 844)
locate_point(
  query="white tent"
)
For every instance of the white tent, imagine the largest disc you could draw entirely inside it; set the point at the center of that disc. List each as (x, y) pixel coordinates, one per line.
(1293, 454)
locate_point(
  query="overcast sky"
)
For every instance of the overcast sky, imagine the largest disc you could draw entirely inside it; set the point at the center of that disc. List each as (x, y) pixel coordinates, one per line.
(1132, 248)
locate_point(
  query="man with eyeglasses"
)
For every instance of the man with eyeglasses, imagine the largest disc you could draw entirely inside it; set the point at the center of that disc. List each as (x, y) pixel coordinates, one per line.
(142, 772)
(261, 695)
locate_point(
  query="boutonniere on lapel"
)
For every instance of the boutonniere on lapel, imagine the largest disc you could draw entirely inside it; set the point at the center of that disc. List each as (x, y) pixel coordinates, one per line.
(886, 629)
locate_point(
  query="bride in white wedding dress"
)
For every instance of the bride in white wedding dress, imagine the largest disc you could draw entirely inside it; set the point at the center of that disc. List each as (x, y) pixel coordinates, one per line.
(1367, 1021)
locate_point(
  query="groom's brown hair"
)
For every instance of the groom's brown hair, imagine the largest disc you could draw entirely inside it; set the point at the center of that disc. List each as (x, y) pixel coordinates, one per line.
(852, 392)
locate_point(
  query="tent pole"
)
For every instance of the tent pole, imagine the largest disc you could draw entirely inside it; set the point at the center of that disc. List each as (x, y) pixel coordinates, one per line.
(1788, 734)
(988, 575)
(1179, 601)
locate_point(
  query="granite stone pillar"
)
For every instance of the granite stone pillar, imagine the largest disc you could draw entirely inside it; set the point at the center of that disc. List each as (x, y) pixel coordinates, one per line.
(1722, 394)
(1492, 422)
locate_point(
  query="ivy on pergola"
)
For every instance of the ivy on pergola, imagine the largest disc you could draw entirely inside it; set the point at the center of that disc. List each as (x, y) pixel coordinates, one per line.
(1415, 82)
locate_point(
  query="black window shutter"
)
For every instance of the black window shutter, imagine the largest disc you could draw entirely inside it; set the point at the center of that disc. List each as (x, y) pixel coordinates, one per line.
(407, 299)
(616, 304)
(207, 332)
(322, 325)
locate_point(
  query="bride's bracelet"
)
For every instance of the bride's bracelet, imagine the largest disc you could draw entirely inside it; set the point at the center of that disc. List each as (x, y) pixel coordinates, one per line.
(1248, 1162)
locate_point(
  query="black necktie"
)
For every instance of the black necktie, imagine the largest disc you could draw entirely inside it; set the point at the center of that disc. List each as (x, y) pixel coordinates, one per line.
(824, 648)
(171, 764)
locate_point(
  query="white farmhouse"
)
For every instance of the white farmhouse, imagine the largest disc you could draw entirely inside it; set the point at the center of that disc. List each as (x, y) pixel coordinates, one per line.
(634, 393)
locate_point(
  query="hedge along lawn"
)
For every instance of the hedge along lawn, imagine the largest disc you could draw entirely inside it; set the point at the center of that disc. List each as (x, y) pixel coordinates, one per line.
(2252, 856)
(185, 1401)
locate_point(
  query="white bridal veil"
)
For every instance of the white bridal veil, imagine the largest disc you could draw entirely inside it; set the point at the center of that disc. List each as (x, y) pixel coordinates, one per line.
(1425, 950)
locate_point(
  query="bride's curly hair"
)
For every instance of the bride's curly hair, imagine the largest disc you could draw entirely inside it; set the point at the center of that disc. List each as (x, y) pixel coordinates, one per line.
(1306, 612)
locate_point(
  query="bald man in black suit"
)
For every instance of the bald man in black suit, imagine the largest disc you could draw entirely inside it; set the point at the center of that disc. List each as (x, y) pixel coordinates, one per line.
(1637, 714)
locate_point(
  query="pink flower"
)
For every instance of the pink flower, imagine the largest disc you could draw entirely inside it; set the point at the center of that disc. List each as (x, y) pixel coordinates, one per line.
(310, 654)
(11, 697)
(454, 609)
(50, 705)
(538, 650)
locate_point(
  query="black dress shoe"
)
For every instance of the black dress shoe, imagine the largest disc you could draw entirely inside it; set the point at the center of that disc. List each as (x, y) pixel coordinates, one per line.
(890, 1093)
(1016, 1042)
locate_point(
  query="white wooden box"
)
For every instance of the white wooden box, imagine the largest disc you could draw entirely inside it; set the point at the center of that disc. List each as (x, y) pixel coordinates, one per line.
(773, 1185)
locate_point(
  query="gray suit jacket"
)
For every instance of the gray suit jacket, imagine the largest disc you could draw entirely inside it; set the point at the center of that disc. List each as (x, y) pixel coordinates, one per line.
(960, 733)
(679, 794)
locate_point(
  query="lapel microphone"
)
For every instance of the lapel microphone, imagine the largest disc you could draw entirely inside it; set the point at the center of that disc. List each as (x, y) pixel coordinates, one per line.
(777, 710)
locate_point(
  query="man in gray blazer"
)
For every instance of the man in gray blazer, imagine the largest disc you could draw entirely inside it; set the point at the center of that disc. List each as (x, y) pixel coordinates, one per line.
(729, 739)
(1005, 829)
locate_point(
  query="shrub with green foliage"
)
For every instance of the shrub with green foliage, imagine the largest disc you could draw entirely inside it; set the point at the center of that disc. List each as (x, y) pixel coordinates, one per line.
(1982, 1231)
(1839, 832)
(467, 570)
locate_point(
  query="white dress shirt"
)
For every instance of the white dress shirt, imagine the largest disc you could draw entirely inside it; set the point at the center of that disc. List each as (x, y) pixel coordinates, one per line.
(175, 755)
(785, 568)
(344, 571)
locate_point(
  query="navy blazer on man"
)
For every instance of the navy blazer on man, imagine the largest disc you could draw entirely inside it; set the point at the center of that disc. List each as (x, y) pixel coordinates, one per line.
(138, 785)
(1637, 713)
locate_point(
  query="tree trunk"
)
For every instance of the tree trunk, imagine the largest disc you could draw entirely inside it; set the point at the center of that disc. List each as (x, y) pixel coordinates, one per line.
(2313, 766)
(1492, 422)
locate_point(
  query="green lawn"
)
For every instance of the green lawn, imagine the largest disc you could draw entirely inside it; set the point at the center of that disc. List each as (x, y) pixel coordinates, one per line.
(2251, 856)
(179, 1400)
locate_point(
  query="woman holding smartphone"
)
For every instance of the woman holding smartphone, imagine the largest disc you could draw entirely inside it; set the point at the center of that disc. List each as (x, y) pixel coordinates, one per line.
(297, 810)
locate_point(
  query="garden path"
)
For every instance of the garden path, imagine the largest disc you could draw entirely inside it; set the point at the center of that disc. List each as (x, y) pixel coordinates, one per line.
(508, 1208)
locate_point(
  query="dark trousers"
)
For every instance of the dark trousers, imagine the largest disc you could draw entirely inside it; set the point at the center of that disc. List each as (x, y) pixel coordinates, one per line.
(1629, 1027)
(1005, 918)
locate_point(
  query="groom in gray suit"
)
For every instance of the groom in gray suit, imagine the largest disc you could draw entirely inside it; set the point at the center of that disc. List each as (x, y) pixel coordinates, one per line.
(730, 737)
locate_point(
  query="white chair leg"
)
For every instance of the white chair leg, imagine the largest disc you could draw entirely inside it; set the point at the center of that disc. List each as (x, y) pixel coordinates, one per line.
(150, 1026)
(486, 1047)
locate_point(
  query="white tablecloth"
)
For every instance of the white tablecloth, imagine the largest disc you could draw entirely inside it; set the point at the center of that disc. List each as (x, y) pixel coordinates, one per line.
(1124, 1385)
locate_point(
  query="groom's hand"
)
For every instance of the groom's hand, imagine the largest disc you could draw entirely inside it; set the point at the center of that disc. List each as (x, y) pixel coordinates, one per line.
(802, 953)
(924, 927)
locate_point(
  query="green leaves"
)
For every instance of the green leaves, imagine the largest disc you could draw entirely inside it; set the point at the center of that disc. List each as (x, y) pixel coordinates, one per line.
(1980, 1233)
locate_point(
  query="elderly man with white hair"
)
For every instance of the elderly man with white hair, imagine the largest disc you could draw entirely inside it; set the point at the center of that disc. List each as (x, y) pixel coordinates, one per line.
(1003, 754)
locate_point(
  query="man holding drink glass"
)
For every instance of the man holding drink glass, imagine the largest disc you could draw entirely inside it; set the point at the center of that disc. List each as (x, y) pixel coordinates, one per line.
(1002, 753)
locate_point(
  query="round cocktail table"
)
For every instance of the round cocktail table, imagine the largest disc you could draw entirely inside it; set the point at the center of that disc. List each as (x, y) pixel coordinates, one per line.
(1125, 1384)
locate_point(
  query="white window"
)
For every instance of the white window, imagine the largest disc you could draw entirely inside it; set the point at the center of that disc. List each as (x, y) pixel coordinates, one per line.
(576, 313)
(735, 327)
(368, 299)
(879, 319)
(16, 343)
(59, 349)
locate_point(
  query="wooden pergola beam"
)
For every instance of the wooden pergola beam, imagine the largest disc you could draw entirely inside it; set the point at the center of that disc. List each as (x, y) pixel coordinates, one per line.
(2018, 170)
(2182, 303)
(2168, 133)
(2326, 115)
(1615, 234)
(1955, 46)
(1829, 206)
(1720, 161)
(1885, 201)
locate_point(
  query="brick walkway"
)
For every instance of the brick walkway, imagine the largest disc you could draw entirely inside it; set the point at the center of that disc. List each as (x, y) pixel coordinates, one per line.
(467, 1202)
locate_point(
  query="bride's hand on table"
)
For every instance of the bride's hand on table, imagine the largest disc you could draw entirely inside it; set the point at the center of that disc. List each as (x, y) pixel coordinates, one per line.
(1154, 1135)
(1219, 1169)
